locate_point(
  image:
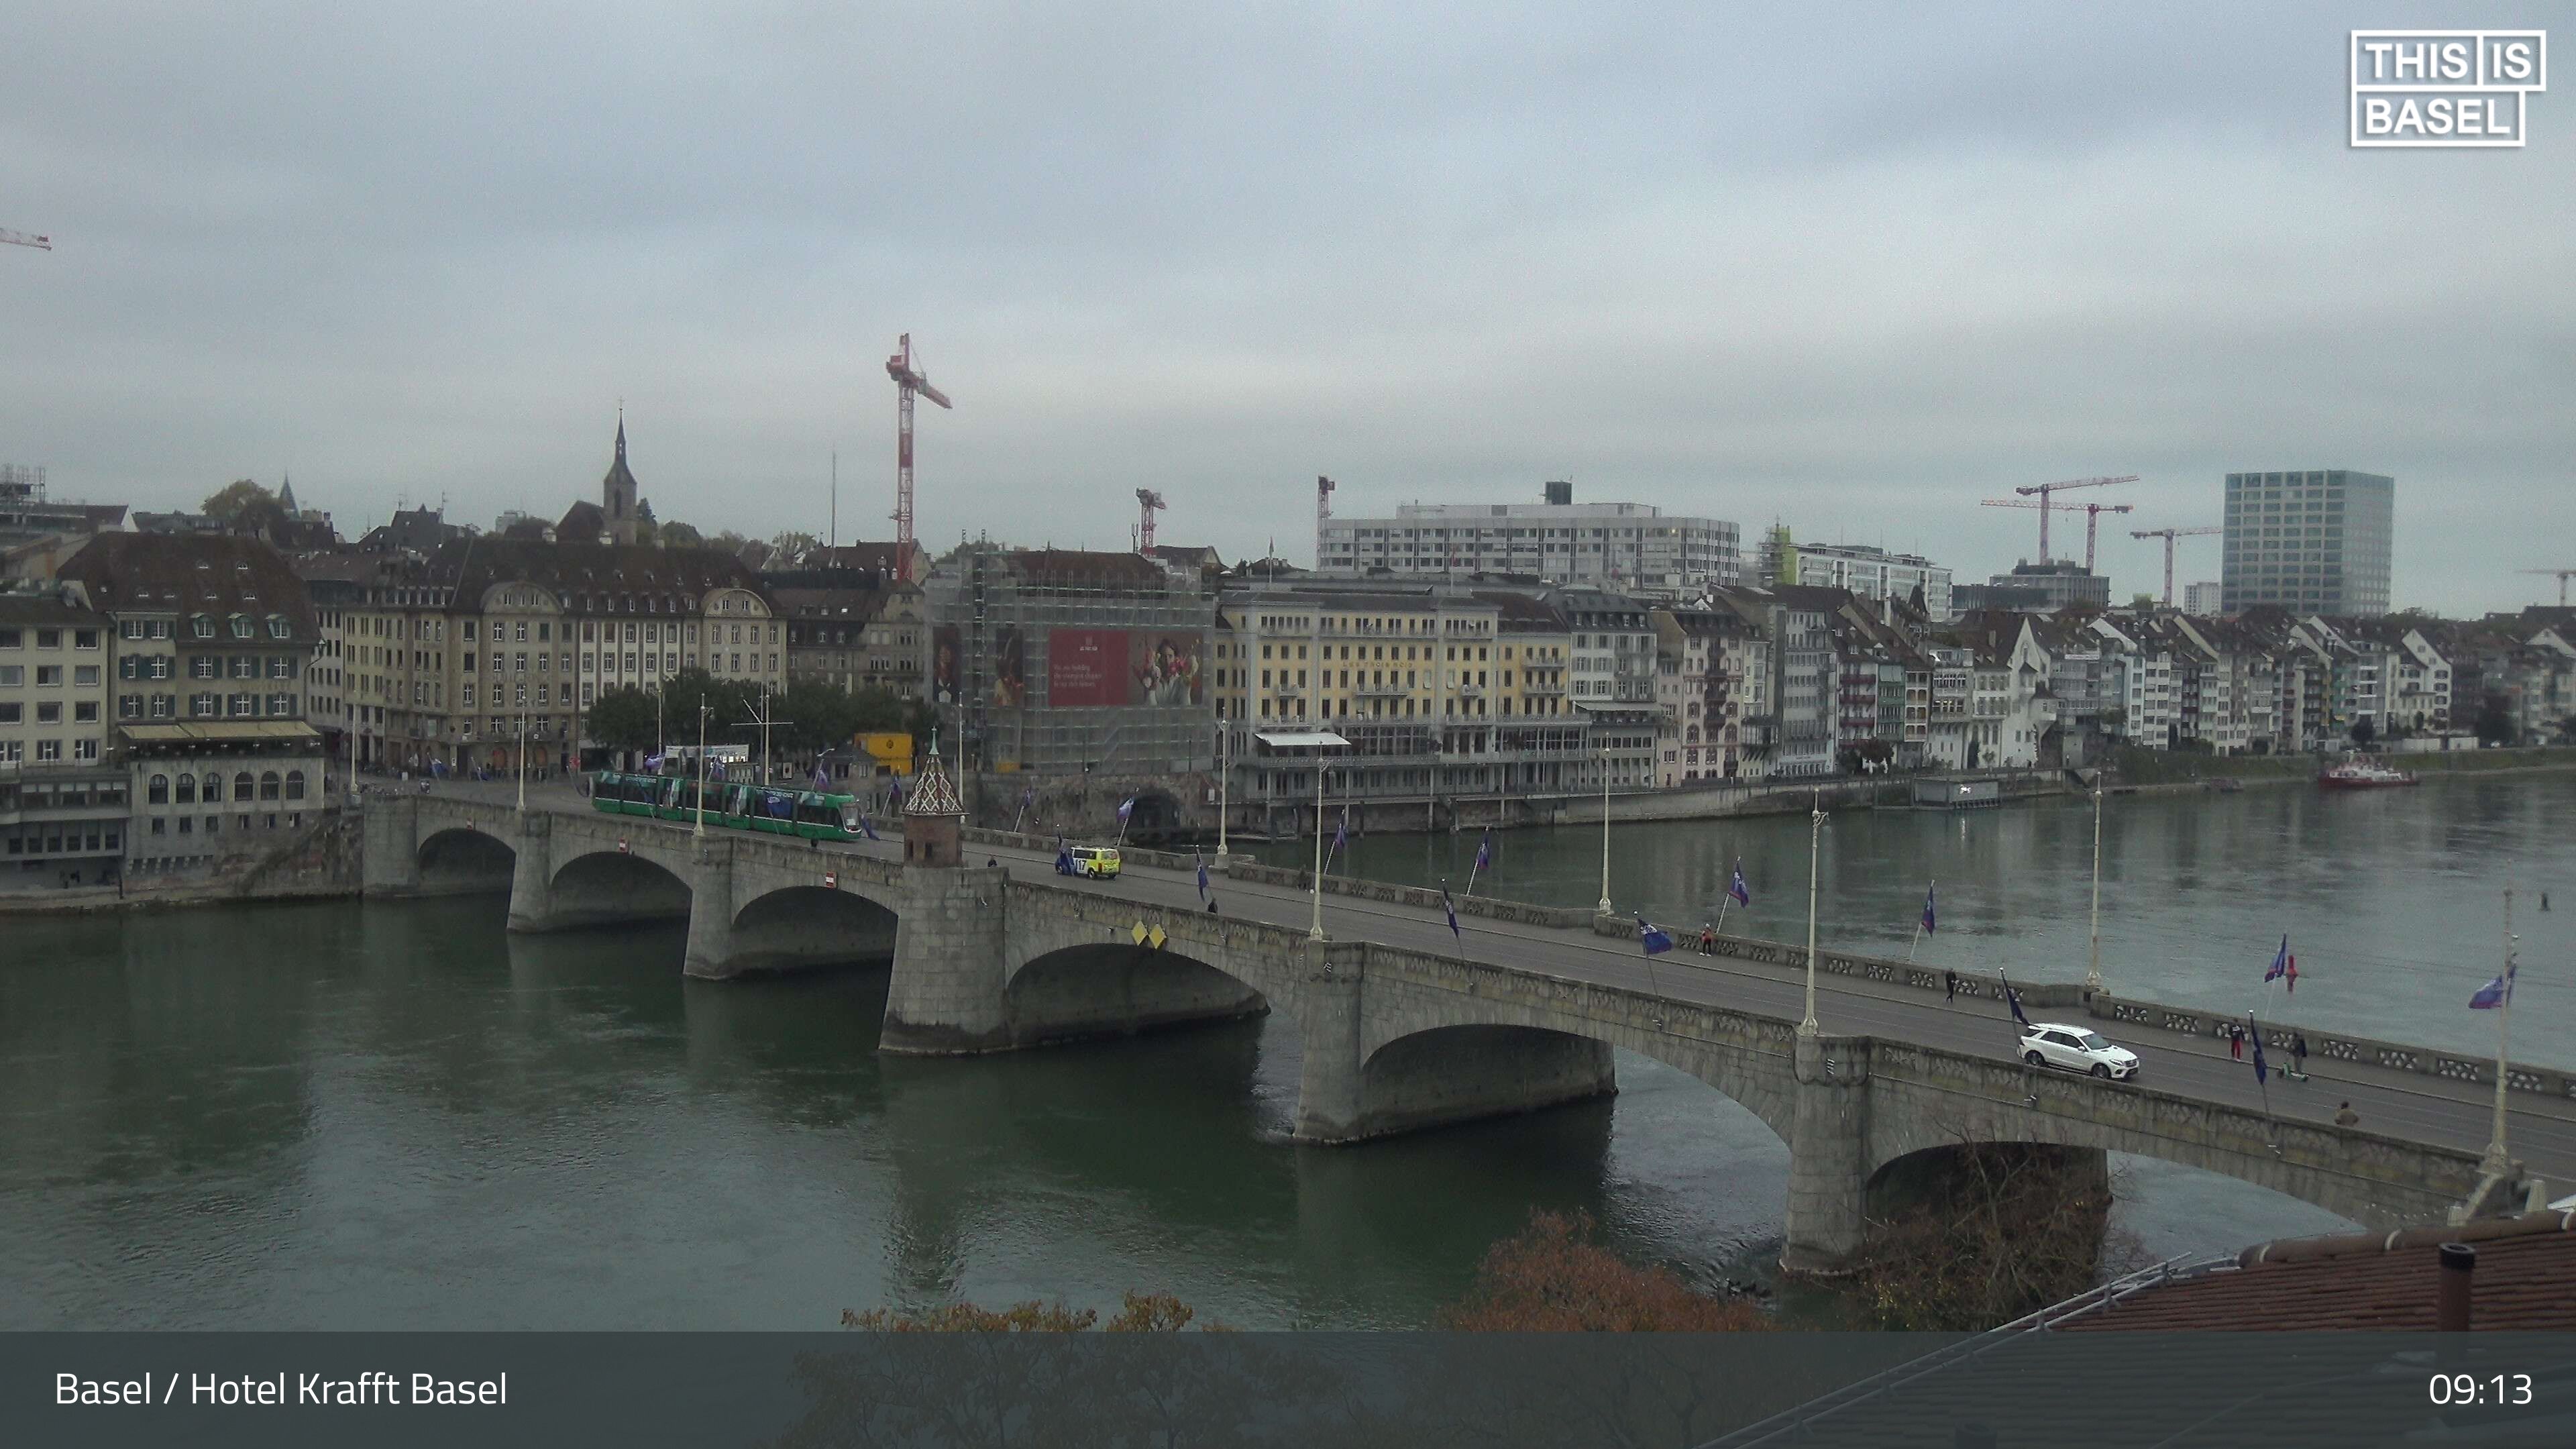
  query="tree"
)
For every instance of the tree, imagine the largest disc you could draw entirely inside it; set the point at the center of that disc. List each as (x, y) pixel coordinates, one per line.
(1555, 1276)
(728, 540)
(2363, 732)
(679, 535)
(647, 529)
(623, 718)
(1979, 1233)
(791, 544)
(2495, 722)
(228, 502)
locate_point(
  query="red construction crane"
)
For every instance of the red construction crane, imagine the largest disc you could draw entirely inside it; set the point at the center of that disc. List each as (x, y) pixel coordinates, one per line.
(907, 381)
(2562, 575)
(21, 239)
(2169, 535)
(2045, 489)
(1149, 503)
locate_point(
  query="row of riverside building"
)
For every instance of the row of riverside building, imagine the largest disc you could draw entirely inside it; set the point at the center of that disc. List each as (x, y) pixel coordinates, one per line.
(176, 690)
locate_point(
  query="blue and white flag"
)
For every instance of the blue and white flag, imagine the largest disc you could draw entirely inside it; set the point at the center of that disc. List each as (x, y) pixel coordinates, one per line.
(1126, 808)
(1063, 857)
(894, 790)
(1928, 927)
(2494, 994)
(866, 829)
(2280, 966)
(1743, 893)
(1653, 938)
(1451, 908)
(822, 778)
(2012, 999)
(2261, 1072)
(1485, 851)
(1028, 797)
(1203, 875)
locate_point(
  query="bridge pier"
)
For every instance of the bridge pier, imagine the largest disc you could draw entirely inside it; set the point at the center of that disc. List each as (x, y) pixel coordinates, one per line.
(951, 956)
(392, 863)
(1330, 1104)
(1828, 1156)
(710, 954)
(532, 875)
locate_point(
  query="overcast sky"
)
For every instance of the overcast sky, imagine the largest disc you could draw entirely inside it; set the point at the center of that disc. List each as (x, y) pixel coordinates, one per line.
(1852, 273)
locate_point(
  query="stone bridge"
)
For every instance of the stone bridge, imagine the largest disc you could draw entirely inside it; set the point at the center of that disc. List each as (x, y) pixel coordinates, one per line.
(1394, 1038)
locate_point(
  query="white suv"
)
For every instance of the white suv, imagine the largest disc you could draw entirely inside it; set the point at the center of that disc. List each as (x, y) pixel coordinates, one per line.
(2049, 1044)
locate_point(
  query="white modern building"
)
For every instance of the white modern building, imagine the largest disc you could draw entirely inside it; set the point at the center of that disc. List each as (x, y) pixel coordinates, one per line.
(1872, 573)
(2203, 601)
(1636, 547)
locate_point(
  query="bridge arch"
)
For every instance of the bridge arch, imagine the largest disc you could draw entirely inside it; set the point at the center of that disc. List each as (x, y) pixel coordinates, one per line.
(1117, 988)
(1559, 1052)
(464, 858)
(608, 887)
(2325, 1169)
(810, 925)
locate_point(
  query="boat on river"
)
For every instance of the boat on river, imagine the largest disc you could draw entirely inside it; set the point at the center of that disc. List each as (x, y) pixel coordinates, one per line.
(2361, 772)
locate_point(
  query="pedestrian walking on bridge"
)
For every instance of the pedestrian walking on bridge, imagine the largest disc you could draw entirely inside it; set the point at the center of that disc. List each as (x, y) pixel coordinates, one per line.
(1950, 984)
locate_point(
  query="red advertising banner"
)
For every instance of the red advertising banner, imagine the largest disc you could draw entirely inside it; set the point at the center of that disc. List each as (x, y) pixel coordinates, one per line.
(1086, 667)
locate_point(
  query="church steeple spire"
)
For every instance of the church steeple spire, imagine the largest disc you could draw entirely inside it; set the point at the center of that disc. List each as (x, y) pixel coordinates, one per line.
(617, 491)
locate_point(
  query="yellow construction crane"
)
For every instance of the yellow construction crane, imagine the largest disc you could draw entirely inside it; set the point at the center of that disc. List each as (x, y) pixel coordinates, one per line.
(2562, 575)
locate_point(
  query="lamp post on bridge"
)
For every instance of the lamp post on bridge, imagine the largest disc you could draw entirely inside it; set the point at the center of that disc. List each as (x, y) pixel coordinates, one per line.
(1319, 741)
(523, 764)
(1605, 830)
(1808, 1025)
(2093, 971)
(1221, 773)
(701, 828)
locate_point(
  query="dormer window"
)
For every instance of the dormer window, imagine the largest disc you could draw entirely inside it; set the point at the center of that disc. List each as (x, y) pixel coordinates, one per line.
(201, 626)
(241, 626)
(278, 628)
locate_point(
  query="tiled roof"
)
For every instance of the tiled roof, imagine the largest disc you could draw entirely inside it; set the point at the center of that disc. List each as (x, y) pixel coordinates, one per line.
(45, 608)
(215, 574)
(582, 523)
(2525, 1280)
(849, 605)
(1074, 568)
(586, 575)
(933, 795)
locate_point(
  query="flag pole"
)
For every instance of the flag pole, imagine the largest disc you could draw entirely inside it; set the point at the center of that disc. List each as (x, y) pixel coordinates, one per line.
(2496, 1163)
(1928, 887)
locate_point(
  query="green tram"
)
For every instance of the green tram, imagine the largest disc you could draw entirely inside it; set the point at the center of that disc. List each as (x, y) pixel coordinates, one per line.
(808, 814)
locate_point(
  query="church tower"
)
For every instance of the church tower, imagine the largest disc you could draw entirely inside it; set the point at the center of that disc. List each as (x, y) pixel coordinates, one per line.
(617, 491)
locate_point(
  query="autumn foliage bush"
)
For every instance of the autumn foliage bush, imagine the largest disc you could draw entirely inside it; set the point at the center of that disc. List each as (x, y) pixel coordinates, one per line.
(1555, 1276)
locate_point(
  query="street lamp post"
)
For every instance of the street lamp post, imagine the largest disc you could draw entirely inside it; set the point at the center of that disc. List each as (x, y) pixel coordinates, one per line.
(2093, 971)
(1221, 773)
(1315, 932)
(1815, 845)
(523, 764)
(1605, 830)
(701, 829)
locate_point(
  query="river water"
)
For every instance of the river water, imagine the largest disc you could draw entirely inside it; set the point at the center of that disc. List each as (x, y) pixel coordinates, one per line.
(343, 1116)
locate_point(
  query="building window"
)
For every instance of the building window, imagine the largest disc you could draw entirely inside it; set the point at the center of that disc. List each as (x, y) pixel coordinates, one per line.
(157, 790)
(243, 785)
(268, 784)
(295, 784)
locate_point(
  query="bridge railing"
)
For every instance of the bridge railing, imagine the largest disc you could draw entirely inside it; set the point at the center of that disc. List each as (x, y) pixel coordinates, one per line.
(2337, 1046)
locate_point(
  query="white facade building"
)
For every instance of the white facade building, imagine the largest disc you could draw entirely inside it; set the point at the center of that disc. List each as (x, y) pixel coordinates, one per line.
(1631, 546)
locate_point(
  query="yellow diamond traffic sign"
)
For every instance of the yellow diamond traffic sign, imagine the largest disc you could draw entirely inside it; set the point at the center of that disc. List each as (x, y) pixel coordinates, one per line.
(1157, 937)
(1138, 931)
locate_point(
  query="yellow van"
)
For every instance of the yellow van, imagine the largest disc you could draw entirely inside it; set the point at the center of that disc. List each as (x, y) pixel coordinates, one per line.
(1100, 862)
